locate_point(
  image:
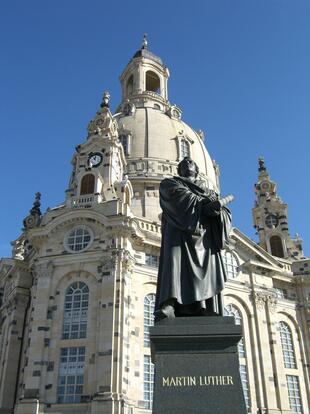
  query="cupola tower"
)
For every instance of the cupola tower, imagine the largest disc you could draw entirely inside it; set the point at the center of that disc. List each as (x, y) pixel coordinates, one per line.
(145, 75)
(153, 135)
(271, 219)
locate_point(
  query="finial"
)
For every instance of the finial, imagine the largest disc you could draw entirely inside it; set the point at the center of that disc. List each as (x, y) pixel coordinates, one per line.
(34, 218)
(36, 205)
(144, 43)
(261, 163)
(105, 100)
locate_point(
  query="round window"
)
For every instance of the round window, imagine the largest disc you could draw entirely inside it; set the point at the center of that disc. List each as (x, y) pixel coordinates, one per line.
(78, 239)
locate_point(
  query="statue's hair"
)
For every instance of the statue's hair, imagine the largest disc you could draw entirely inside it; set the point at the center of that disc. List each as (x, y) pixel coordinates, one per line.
(180, 163)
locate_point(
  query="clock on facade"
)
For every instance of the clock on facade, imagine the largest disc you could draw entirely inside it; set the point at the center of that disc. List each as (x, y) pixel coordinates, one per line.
(265, 186)
(271, 221)
(94, 159)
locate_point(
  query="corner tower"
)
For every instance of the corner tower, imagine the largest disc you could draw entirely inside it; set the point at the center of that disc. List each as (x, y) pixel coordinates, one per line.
(271, 219)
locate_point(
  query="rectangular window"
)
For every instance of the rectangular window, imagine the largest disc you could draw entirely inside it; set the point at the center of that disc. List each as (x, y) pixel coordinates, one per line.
(148, 382)
(71, 375)
(149, 307)
(241, 348)
(124, 141)
(294, 394)
(151, 260)
(245, 385)
(281, 293)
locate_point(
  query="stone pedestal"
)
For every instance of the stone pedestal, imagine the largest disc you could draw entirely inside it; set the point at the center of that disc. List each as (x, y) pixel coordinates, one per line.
(197, 366)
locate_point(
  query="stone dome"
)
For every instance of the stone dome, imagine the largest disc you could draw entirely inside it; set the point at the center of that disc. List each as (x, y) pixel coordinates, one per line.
(154, 137)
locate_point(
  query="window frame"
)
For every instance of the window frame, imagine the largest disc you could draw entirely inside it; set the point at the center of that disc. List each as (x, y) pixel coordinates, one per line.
(77, 316)
(152, 260)
(276, 246)
(148, 317)
(235, 312)
(127, 149)
(88, 174)
(148, 382)
(294, 394)
(287, 345)
(69, 235)
(71, 365)
(151, 76)
(235, 268)
(179, 140)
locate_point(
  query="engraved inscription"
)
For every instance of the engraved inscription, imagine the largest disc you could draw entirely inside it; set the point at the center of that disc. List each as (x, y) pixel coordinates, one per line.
(201, 381)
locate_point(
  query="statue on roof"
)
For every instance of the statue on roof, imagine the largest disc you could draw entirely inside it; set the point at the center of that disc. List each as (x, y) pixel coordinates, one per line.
(261, 163)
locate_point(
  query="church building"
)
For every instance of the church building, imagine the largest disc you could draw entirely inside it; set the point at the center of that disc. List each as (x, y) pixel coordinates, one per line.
(77, 296)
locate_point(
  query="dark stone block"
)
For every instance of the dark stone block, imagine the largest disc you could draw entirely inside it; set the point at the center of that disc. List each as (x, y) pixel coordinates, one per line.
(197, 366)
(43, 328)
(31, 393)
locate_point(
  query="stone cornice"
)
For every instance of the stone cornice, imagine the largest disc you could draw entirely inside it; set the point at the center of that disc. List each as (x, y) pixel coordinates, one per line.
(76, 215)
(9, 266)
(146, 232)
(243, 241)
(266, 268)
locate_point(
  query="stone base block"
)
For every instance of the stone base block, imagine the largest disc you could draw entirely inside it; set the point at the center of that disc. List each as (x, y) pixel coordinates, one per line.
(197, 366)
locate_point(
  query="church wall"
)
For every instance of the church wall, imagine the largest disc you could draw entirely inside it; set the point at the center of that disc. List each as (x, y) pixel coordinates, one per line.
(119, 268)
(252, 293)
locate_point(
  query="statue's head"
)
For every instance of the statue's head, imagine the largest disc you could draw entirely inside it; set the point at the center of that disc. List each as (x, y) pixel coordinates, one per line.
(188, 168)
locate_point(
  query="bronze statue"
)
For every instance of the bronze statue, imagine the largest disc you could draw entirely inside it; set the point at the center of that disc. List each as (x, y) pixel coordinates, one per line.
(195, 227)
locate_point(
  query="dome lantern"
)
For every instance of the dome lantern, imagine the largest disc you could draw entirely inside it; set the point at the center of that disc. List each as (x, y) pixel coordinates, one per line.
(145, 79)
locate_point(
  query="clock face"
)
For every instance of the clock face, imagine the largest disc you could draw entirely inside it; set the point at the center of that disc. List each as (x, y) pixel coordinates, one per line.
(94, 159)
(271, 221)
(265, 186)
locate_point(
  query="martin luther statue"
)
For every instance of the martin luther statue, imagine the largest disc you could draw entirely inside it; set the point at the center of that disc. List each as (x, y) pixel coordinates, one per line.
(195, 227)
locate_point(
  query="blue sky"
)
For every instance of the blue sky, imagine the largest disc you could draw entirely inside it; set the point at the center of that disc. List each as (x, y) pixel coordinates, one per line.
(239, 71)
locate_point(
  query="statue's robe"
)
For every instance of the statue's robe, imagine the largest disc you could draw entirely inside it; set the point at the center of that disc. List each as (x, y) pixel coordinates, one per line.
(191, 269)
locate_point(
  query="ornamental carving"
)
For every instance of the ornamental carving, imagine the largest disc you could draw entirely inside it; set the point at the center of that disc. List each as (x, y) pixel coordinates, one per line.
(128, 108)
(262, 298)
(43, 269)
(103, 123)
(127, 260)
(259, 299)
(272, 301)
(108, 263)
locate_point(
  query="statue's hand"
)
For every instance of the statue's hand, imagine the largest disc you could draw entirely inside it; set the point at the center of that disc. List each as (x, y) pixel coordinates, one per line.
(212, 195)
(211, 209)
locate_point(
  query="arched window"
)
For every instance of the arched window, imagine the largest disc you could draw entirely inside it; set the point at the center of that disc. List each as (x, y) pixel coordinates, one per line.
(276, 246)
(152, 82)
(123, 139)
(231, 264)
(88, 184)
(129, 86)
(231, 310)
(149, 305)
(184, 149)
(75, 311)
(287, 345)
